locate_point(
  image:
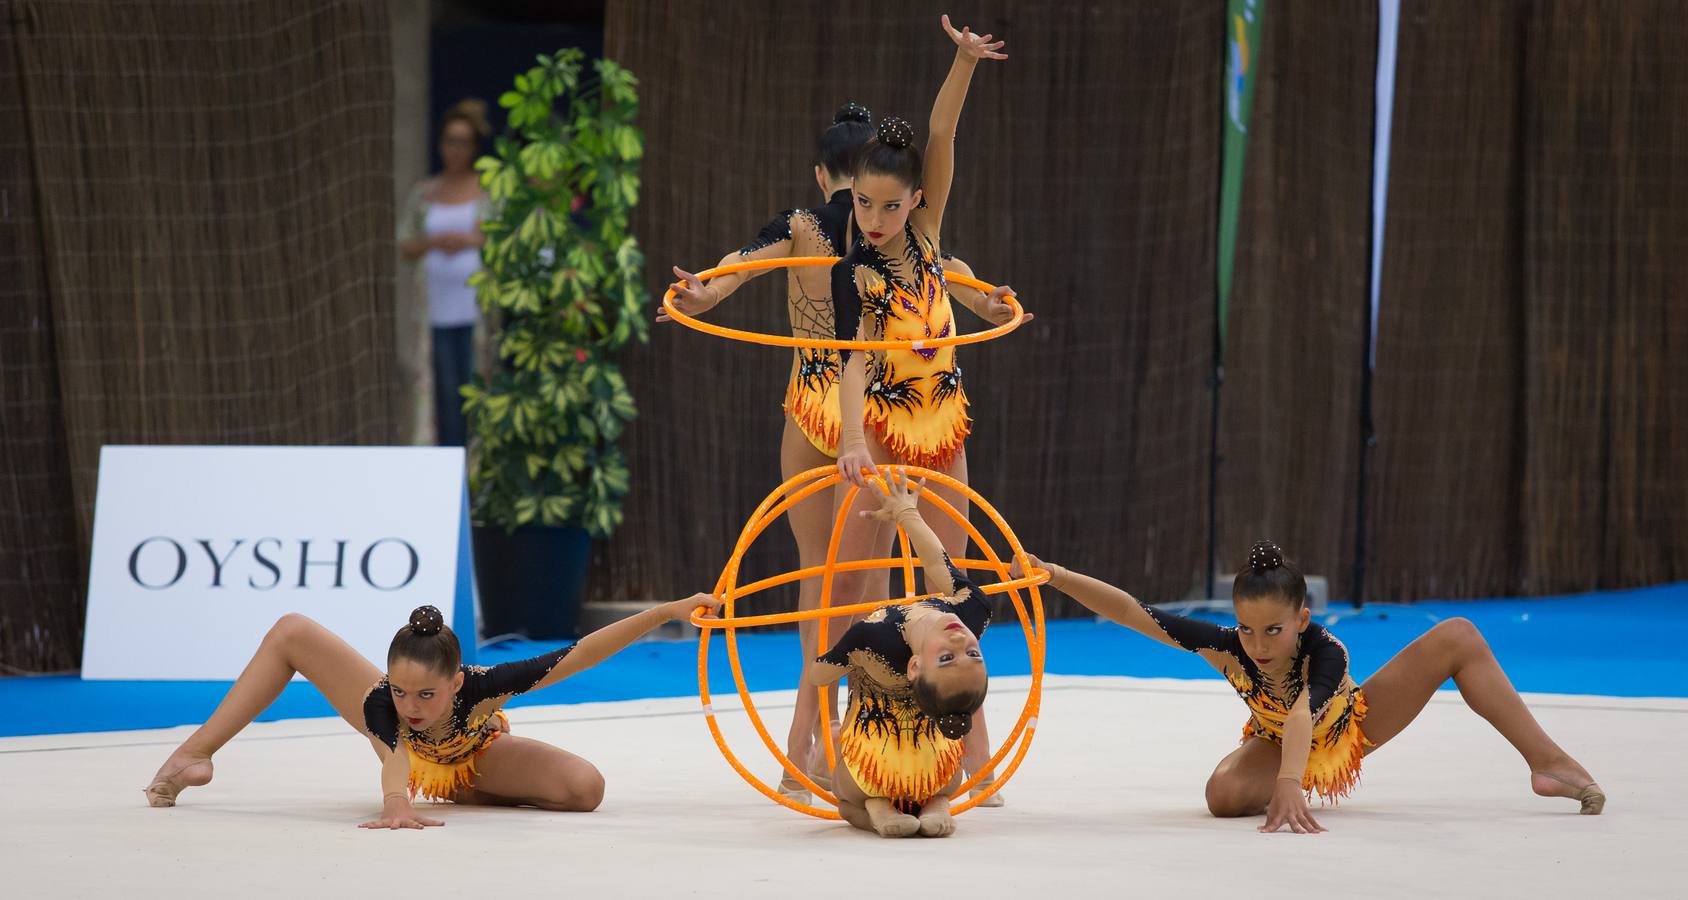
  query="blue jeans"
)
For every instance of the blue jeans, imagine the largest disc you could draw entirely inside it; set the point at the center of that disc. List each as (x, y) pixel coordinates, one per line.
(454, 363)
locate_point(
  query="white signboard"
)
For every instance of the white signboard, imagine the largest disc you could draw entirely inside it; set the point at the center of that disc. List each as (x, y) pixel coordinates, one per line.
(198, 550)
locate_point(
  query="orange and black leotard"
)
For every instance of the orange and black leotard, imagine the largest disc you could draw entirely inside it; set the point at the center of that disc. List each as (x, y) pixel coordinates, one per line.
(914, 401)
(442, 759)
(1320, 668)
(887, 743)
(811, 396)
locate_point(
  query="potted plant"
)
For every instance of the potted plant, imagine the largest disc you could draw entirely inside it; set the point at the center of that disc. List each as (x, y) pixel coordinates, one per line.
(563, 279)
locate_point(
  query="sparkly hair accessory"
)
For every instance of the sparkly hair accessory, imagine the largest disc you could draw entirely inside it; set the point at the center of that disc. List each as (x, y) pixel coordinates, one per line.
(1264, 557)
(852, 112)
(426, 621)
(894, 132)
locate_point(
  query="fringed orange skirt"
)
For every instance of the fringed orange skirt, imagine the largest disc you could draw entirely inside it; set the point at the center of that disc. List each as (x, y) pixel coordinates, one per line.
(1333, 766)
(915, 407)
(440, 771)
(914, 397)
(907, 762)
(929, 438)
(815, 412)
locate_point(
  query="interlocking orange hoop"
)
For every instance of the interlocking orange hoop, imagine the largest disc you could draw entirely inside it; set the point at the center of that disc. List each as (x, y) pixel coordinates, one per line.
(776, 504)
(785, 340)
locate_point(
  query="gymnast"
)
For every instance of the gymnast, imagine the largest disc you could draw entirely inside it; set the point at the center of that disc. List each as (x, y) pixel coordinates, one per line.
(917, 678)
(436, 725)
(905, 406)
(1309, 724)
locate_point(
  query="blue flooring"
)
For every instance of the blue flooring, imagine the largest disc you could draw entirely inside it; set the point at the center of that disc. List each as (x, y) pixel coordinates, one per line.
(1619, 643)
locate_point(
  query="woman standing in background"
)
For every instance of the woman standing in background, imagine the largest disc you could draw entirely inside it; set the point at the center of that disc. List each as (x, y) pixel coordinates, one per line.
(442, 228)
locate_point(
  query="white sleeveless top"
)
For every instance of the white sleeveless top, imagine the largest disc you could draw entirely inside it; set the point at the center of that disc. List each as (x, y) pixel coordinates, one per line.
(451, 302)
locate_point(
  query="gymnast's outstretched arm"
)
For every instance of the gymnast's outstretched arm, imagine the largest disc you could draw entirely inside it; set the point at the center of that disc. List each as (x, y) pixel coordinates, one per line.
(940, 128)
(1118, 606)
(901, 504)
(694, 297)
(612, 638)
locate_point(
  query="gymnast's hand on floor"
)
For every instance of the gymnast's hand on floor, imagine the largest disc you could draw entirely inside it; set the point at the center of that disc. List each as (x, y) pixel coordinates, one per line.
(974, 45)
(899, 497)
(691, 296)
(398, 813)
(1289, 807)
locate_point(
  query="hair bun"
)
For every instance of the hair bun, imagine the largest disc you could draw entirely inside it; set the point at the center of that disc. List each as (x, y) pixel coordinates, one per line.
(954, 726)
(894, 132)
(426, 621)
(473, 111)
(1264, 557)
(852, 112)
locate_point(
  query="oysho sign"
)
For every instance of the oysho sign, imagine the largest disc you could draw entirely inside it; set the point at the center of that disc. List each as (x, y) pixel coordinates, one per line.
(169, 562)
(198, 550)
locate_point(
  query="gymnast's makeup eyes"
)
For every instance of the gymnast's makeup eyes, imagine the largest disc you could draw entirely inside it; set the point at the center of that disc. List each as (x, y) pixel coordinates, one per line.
(1274, 629)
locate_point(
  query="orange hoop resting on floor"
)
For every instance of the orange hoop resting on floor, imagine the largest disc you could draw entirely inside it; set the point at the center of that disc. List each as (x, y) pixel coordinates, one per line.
(785, 340)
(805, 486)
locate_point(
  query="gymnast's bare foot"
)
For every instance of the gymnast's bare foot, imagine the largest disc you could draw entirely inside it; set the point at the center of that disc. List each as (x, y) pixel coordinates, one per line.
(935, 818)
(182, 770)
(887, 821)
(1565, 778)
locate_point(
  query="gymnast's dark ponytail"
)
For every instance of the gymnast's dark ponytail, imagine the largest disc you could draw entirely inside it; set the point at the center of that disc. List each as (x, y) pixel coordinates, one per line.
(891, 152)
(1268, 574)
(852, 126)
(426, 640)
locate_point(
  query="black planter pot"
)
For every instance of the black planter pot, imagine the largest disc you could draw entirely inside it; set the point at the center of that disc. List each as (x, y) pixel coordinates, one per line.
(531, 580)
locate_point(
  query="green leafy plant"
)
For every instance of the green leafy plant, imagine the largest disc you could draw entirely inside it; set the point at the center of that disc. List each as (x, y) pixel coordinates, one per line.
(563, 277)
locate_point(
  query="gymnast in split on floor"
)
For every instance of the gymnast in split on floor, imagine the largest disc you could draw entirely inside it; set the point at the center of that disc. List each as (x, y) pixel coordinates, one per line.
(436, 725)
(1310, 724)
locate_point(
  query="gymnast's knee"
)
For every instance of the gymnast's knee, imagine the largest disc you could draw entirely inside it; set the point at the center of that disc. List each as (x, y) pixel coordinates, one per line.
(581, 791)
(1225, 797)
(289, 628)
(1460, 635)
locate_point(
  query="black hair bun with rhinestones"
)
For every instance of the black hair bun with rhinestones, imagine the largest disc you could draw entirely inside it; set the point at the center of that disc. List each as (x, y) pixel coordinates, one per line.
(426, 621)
(853, 112)
(894, 132)
(1264, 557)
(954, 726)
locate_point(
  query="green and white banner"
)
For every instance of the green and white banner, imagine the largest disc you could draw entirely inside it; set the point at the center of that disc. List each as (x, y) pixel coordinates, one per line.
(1242, 42)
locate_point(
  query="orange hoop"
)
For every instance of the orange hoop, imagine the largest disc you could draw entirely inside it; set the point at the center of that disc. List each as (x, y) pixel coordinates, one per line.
(794, 491)
(783, 340)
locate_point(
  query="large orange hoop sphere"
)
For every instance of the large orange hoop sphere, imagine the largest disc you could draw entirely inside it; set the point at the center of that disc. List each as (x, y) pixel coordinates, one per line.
(1029, 608)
